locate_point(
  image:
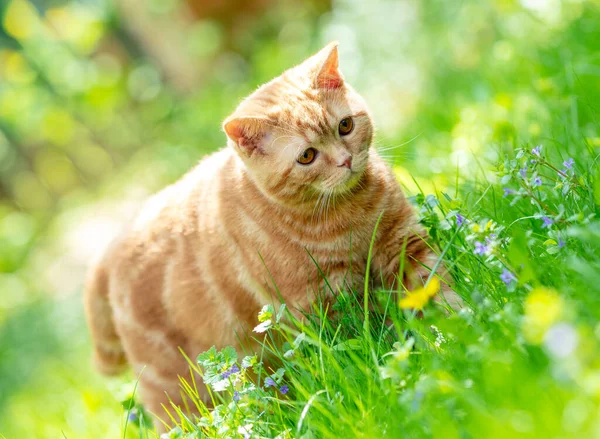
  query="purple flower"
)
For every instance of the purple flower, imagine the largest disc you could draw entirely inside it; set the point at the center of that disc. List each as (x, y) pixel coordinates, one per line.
(547, 222)
(508, 192)
(561, 243)
(507, 277)
(537, 181)
(269, 382)
(284, 389)
(236, 396)
(569, 163)
(523, 172)
(480, 248)
(537, 150)
(132, 416)
(460, 220)
(230, 371)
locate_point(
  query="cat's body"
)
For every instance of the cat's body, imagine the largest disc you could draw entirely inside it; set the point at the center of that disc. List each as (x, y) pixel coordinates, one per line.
(208, 252)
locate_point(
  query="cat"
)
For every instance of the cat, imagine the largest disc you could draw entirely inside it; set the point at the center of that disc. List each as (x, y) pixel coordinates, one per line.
(299, 179)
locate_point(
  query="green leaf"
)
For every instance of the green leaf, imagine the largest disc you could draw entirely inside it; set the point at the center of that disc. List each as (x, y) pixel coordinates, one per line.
(352, 344)
(597, 188)
(299, 339)
(249, 361)
(519, 256)
(229, 355)
(207, 358)
(280, 312)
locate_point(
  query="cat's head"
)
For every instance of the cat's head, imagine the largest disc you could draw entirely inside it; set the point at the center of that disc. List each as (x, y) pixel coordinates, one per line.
(305, 133)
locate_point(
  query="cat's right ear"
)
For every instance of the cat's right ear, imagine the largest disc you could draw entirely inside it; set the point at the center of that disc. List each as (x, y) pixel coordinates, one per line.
(247, 133)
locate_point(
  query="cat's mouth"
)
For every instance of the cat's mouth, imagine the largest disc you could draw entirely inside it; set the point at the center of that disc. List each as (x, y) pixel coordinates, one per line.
(349, 181)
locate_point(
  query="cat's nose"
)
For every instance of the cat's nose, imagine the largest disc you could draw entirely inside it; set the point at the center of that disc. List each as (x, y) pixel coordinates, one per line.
(347, 162)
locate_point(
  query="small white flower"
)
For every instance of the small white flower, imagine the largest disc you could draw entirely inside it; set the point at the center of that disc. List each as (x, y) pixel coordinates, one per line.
(284, 434)
(245, 430)
(263, 327)
(439, 337)
(220, 386)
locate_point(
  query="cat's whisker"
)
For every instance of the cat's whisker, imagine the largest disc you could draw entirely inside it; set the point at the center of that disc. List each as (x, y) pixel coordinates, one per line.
(325, 206)
(393, 158)
(399, 145)
(395, 151)
(328, 204)
(399, 156)
(322, 209)
(316, 208)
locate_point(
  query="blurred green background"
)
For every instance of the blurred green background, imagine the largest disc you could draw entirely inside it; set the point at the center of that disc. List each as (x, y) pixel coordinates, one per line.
(102, 103)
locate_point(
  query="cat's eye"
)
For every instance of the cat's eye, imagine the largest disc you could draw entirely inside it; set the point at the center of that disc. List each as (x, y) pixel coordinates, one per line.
(308, 156)
(346, 126)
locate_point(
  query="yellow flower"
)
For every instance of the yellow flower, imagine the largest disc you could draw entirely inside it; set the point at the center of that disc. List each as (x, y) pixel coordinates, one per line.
(543, 307)
(418, 298)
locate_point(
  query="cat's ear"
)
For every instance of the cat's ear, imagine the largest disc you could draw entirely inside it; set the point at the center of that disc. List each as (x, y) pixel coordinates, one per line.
(248, 133)
(329, 75)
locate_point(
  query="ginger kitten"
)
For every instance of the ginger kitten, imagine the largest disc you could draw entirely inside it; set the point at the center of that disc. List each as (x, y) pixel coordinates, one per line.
(298, 177)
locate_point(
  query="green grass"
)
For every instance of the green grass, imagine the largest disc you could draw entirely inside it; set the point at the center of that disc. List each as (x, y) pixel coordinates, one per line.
(519, 360)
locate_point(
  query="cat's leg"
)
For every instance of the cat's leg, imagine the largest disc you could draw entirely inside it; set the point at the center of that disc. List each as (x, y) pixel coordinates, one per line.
(160, 365)
(161, 394)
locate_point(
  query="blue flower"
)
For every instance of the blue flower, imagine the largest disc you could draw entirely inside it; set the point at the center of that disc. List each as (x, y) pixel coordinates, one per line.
(508, 192)
(537, 150)
(537, 181)
(561, 243)
(269, 382)
(480, 248)
(284, 389)
(133, 417)
(569, 163)
(230, 371)
(236, 396)
(523, 172)
(547, 222)
(507, 277)
(460, 220)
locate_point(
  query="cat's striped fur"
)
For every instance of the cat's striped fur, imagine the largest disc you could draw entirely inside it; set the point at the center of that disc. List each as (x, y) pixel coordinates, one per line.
(202, 257)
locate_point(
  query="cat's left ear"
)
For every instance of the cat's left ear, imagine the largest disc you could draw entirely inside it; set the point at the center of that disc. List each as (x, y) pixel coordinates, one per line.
(329, 75)
(248, 133)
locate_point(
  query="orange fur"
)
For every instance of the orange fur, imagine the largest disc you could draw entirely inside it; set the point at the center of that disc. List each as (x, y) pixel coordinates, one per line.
(205, 254)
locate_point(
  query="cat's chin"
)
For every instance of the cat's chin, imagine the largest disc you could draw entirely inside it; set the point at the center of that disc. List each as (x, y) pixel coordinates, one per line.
(347, 185)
